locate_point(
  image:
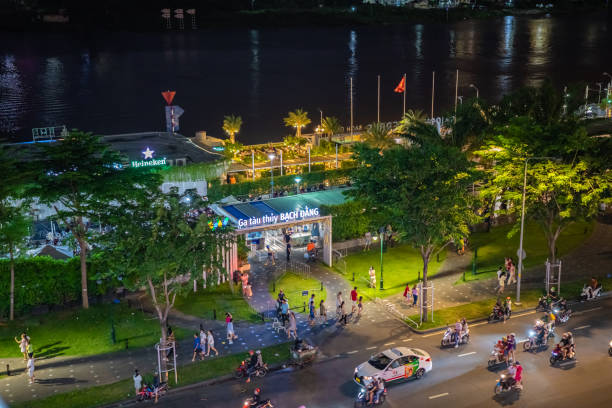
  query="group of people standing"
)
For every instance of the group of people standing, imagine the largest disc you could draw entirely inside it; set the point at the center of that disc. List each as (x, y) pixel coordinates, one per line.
(411, 296)
(286, 315)
(203, 343)
(506, 275)
(25, 346)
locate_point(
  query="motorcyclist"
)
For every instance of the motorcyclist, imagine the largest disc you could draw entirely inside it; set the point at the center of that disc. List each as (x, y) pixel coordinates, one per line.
(497, 310)
(457, 333)
(465, 330)
(507, 308)
(567, 345)
(256, 398)
(377, 387)
(255, 361)
(541, 332)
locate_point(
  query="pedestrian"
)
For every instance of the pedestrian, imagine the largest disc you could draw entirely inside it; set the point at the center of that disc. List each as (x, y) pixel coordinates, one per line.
(499, 272)
(359, 306)
(203, 339)
(288, 251)
(512, 273)
(245, 281)
(415, 295)
(510, 346)
(197, 347)
(23, 345)
(311, 310)
(354, 299)
(292, 326)
(501, 282)
(407, 293)
(210, 344)
(343, 314)
(461, 247)
(137, 381)
(322, 311)
(229, 321)
(339, 302)
(270, 260)
(372, 273)
(368, 241)
(248, 289)
(30, 367)
(169, 341)
(284, 311)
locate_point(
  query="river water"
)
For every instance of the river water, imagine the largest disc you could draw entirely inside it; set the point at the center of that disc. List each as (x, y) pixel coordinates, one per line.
(111, 82)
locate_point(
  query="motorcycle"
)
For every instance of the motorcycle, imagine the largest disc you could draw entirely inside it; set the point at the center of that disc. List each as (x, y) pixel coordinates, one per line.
(506, 383)
(610, 349)
(261, 404)
(498, 314)
(588, 293)
(543, 303)
(562, 315)
(448, 339)
(534, 341)
(145, 394)
(557, 355)
(242, 370)
(362, 395)
(497, 358)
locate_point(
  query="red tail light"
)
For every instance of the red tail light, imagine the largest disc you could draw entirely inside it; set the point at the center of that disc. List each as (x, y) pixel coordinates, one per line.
(428, 359)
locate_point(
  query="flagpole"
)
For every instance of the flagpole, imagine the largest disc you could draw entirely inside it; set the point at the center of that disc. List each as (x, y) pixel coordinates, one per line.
(351, 108)
(378, 106)
(456, 90)
(404, 96)
(433, 85)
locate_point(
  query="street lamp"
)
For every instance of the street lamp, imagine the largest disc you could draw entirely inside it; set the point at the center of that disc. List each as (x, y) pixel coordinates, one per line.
(272, 156)
(520, 251)
(297, 185)
(460, 97)
(474, 86)
(381, 232)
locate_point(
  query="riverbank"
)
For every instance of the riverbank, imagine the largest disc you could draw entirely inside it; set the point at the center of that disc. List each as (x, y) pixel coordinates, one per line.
(149, 19)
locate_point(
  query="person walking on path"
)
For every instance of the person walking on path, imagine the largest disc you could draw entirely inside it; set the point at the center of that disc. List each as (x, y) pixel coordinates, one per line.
(311, 310)
(359, 306)
(501, 283)
(343, 314)
(23, 345)
(354, 300)
(270, 260)
(512, 273)
(210, 344)
(245, 281)
(288, 251)
(372, 274)
(339, 302)
(368, 241)
(30, 367)
(415, 295)
(203, 339)
(292, 326)
(322, 311)
(197, 347)
(284, 312)
(137, 382)
(407, 293)
(229, 322)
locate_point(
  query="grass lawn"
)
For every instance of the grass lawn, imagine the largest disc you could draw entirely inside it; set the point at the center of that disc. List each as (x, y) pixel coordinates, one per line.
(189, 374)
(82, 332)
(219, 298)
(293, 285)
(401, 264)
(480, 309)
(494, 246)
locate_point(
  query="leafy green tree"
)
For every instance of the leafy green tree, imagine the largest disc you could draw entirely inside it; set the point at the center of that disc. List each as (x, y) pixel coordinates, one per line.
(13, 234)
(154, 244)
(378, 136)
(231, 126)
(297, 119)
(350, 220)
(422, 191)
(79, 178)
(331, 126)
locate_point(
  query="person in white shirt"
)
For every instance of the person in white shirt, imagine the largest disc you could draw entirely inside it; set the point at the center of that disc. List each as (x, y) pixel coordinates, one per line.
(137, 381)
(30, 367)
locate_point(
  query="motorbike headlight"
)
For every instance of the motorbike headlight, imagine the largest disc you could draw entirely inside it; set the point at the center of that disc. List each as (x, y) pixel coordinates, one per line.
(531, 333)
(503, 376)
(356, 370)
(611, 344)
(556, 310)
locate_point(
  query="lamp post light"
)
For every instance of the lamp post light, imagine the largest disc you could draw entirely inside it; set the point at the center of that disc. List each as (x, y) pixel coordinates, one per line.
(381, 232)
(474, 86)
(460, 97)
(272, 156)
(520, 253)
(297, 185)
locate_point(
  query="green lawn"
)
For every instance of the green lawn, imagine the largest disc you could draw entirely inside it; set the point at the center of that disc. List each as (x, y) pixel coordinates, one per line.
(189, 374)
(401, 264)
(293, 285)
(492, 247)
(82, 332)
(220, 298)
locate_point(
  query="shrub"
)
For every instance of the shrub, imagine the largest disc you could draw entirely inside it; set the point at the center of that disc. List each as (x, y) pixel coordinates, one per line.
(350, 220)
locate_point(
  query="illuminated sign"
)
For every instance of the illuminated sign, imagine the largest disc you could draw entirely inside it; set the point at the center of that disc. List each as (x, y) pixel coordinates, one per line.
(282, 217)
(148, 161)
(218, 223)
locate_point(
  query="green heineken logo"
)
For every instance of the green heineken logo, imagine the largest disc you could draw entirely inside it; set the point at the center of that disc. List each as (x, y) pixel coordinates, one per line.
(148, 160)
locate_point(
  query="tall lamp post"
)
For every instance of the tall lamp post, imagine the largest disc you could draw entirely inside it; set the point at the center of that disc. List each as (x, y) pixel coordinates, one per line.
(520, 253)
(297, 185)
(474, 86)
(272, 156)
(381, 232)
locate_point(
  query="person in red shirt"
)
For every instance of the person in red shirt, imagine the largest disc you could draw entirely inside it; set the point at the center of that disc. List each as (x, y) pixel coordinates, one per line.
(407, 293)
(354, 299)
(518, 376)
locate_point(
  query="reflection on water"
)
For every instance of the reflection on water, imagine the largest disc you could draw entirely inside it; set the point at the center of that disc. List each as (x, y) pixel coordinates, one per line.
(110, 82)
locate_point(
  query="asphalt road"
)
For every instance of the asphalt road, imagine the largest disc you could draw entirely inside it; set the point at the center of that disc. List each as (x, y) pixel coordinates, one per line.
(460, 377)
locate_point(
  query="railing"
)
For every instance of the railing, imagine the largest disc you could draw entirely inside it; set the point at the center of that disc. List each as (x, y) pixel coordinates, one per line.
(393, 310)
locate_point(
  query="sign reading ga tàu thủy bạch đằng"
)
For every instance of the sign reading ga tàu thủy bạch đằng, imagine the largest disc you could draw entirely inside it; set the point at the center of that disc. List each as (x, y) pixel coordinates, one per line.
(275, 218)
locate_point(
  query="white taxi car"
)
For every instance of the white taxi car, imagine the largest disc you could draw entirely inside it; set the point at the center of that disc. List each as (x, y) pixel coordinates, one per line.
(395, 364)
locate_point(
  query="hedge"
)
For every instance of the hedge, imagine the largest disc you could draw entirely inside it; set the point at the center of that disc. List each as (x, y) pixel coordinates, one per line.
(43, 281)
(350, 220)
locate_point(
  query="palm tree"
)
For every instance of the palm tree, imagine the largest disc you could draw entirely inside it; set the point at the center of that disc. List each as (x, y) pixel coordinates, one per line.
(414, 116)
(297, 119)
(331, 126)
(231, 126)
(377, 135)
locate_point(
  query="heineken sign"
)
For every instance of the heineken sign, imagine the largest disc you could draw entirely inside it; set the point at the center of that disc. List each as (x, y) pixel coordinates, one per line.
(148, 161)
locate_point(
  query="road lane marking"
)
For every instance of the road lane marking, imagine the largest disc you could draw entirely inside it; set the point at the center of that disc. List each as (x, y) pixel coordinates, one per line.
(435, 334)
(407, 340)
(568, 362)
(388, 344)
(582, 327)
(371, 348)
(586, 311)
(466, 354)
(438, 396)
(352, 352)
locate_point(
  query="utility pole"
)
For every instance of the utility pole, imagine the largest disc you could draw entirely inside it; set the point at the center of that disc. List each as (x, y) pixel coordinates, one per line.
(351, 108)
(433, 86)
(378, 105)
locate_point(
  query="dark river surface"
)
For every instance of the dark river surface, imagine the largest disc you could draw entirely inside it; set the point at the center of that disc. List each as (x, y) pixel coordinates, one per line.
(111, 82)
